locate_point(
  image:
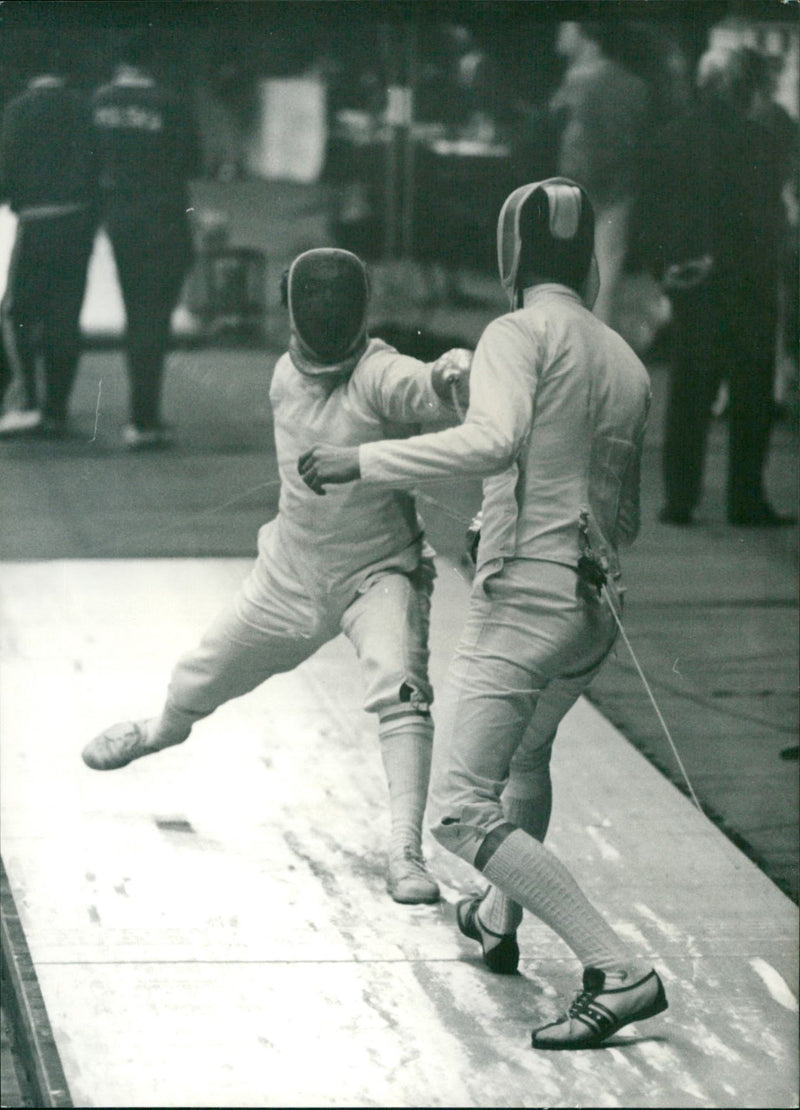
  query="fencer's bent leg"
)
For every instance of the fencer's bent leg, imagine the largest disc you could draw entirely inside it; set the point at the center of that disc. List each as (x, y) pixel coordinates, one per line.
(388, 625)
(527, 803)
(516, 645)
(528, 796)
(270, 627)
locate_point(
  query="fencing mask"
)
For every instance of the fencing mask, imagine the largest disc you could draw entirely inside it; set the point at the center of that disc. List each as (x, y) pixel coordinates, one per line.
(327, 294)
(546, 229)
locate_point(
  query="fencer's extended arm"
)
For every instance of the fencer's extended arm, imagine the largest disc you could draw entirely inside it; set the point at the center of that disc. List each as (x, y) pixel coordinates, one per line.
(403, 390)
(502, 388)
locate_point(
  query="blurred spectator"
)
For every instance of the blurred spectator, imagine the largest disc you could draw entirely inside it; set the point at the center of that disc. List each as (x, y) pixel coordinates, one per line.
(623, 78)
(458, 86)
(149, 148)
(708, 223)
(49, 177)
(784, 126)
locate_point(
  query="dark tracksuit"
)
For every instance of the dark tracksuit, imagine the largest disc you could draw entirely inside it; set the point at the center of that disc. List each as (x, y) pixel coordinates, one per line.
(149, 148)
(49, 176)
(711, 186)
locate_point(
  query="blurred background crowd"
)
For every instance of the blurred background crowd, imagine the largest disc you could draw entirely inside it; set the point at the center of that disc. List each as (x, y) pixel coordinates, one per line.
(410, 122)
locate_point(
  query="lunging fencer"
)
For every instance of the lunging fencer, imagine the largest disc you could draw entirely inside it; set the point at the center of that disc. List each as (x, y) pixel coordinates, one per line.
(555, 424)
(355, 562)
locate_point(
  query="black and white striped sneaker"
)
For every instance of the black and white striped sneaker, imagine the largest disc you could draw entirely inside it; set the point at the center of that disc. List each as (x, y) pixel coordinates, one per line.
(599, 1011)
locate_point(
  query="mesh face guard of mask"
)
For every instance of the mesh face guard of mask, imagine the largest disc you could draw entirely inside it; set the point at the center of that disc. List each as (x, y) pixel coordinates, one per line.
(327, 293)
(558, 238)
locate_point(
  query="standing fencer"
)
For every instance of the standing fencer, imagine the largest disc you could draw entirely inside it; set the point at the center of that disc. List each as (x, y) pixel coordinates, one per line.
(556, 421)
(356, 562)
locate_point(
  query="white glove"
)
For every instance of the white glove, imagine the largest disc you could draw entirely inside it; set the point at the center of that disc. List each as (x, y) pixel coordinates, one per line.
(450, 378)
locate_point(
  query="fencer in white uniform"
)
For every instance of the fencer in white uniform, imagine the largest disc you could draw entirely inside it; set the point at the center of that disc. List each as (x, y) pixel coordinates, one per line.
(556, 420)
(355, 561)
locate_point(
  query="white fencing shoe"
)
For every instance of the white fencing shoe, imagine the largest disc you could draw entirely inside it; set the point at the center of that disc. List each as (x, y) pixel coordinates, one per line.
(121, 744)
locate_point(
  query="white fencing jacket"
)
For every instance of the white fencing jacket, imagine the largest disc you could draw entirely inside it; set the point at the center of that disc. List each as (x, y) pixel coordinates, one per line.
(355, 530)
(556, 420)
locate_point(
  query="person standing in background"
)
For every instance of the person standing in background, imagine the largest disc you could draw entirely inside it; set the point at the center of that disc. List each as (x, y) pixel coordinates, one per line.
(709, 225)
(784, 126)
(623, 78)
(149, 149)
(601, 109)
(49, 177)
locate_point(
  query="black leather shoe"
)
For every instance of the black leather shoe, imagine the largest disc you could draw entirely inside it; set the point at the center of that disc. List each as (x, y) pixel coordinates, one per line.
(503, 958)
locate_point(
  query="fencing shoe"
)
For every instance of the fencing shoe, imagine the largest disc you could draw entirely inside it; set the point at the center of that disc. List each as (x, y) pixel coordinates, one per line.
(501, 958)
(598, 1011)
(121, 744)
(408, 879)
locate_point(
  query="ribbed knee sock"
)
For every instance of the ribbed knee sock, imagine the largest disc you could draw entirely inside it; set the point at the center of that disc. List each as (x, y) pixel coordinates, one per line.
(531, 813)
(530, 874)
(406, 744)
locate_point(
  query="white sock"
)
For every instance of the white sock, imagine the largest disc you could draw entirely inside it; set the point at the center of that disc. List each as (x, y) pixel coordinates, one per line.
(406, 743)
(530, 874)
(529, 811)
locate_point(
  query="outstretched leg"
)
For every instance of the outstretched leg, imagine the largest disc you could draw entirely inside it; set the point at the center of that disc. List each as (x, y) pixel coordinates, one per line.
(618, 984)
(270, 627)
(527, 803)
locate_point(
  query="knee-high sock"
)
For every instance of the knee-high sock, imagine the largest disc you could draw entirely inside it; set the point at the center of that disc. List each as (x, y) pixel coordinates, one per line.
(527, 804)
(530, 874)
(406, 744)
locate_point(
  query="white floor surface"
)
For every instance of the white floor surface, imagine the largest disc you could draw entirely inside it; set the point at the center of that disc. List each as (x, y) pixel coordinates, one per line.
(210, 925)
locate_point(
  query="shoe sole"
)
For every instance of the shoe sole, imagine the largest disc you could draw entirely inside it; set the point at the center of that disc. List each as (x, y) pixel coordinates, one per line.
(424, 900)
